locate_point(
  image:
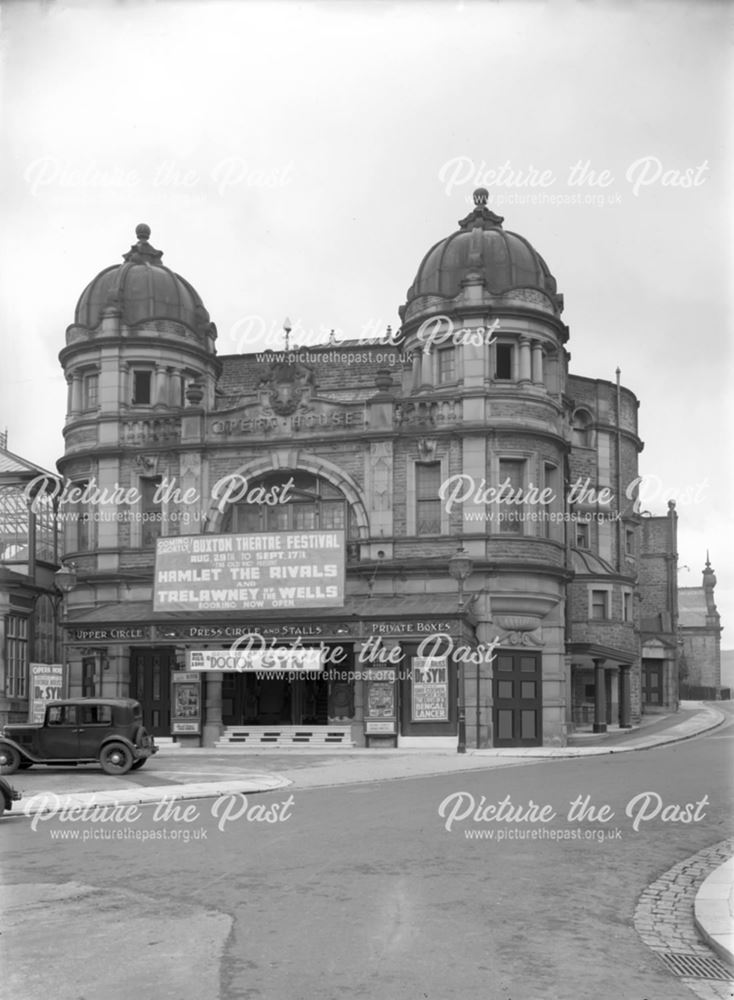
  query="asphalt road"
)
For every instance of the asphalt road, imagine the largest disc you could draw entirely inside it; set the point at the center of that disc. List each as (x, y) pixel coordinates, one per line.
(361, 891)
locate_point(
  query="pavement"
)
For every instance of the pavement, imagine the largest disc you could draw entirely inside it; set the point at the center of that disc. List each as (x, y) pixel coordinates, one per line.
(207, 773)
(714, 910)
(175, 774)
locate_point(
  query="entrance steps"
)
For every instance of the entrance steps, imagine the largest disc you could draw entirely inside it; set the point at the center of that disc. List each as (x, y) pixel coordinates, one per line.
(285, 737)
(166, 743)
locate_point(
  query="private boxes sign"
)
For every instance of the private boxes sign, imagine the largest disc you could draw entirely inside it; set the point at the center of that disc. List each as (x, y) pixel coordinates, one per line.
(287, 569)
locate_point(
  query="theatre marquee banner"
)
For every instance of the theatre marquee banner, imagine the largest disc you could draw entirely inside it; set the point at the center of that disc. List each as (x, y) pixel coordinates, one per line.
(285, 569)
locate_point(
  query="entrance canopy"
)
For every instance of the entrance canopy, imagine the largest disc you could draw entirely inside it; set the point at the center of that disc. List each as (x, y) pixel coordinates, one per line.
(394, 617)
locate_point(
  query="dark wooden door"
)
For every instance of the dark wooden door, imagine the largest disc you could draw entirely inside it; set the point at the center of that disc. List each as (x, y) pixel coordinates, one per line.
(517, 712)
(150, 684)
(652, 682)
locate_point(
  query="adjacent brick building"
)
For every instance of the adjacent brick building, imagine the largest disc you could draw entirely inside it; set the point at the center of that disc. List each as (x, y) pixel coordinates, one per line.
(700, 633)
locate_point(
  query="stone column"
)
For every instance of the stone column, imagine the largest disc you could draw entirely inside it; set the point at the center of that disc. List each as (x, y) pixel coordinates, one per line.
(160, 387)
(608, 695)
(426, 368)
(524, 359)
(625, 700)
(76, 393)
(179, 388)
(213, 726)
(537, 349)
(600, 698)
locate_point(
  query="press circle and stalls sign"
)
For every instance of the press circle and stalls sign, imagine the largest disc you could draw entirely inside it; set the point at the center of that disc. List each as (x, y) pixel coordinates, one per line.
(287, 569)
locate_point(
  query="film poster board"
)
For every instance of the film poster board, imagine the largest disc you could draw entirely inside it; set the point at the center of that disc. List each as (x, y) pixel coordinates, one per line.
(381, 711)
(185, 702)
(46, 682)
(430, 689)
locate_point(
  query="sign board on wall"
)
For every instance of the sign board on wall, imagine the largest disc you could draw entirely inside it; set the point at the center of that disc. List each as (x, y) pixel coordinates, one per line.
(276, 660)
(46, 683)
(286, 569)
(430, 689)
(185, 702)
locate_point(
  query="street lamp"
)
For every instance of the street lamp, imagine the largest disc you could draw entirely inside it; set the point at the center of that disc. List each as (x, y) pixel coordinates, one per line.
(460, 568)
(65, 580)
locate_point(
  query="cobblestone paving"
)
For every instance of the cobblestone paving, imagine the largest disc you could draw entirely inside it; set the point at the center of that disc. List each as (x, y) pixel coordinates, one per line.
(664, 916)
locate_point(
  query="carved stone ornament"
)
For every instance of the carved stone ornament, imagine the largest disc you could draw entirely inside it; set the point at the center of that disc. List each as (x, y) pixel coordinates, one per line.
(287, 386)
(520, 630)
(427, 447)
(146, 463)
(518, 623)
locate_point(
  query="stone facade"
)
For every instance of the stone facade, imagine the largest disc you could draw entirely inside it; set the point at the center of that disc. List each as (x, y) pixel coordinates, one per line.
(700, 633)
(464, 431)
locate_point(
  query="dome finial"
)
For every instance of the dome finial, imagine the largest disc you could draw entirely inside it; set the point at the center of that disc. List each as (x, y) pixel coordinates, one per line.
(143, 252)
(481, 197)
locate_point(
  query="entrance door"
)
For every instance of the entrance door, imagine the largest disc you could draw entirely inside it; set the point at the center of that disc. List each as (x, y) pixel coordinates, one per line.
(652, 682)
(247, 699)
(150, 684)
(517, 712)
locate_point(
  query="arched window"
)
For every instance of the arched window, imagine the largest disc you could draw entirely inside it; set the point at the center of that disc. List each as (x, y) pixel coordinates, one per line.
(581, 429)
(310, 503)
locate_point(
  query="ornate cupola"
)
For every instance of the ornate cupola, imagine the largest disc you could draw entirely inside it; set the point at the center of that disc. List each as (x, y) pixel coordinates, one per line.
(501, 265)
(142, 290)
(141, 337)
(486, 293)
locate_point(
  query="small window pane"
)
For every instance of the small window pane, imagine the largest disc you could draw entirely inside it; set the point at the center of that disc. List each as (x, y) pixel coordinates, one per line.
(332, 515)
(91, 391)
(599, 604)
(447, 365)
(304, 516)
(428, 503)
(248, 519)
(527, 689)
(511, 471)
(504, 361)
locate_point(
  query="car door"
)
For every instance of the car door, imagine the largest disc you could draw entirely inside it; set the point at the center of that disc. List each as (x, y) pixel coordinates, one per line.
(95, 722)
(59, 738)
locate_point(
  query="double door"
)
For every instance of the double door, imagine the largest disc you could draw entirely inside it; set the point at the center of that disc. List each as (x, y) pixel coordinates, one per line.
(150, 684)
(517, 712)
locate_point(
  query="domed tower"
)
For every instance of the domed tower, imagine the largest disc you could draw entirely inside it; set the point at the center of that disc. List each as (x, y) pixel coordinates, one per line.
(141, 366)
(487, 375)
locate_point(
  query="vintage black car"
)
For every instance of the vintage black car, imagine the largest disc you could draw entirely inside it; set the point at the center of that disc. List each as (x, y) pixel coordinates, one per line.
(8, 795)
(80, 731)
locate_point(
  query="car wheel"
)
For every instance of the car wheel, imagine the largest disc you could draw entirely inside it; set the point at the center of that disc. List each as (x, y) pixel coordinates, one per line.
(115, 758)
(138, 764)
(9, 760)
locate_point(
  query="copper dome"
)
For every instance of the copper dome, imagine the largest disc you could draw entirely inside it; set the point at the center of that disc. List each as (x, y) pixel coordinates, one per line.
(142, 289)
(481, 247)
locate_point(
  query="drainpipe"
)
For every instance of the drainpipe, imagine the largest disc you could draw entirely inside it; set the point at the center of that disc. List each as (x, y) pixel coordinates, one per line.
(619, 475)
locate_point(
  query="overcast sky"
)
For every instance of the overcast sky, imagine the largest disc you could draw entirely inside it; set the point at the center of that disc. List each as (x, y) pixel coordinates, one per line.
(300, 159)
